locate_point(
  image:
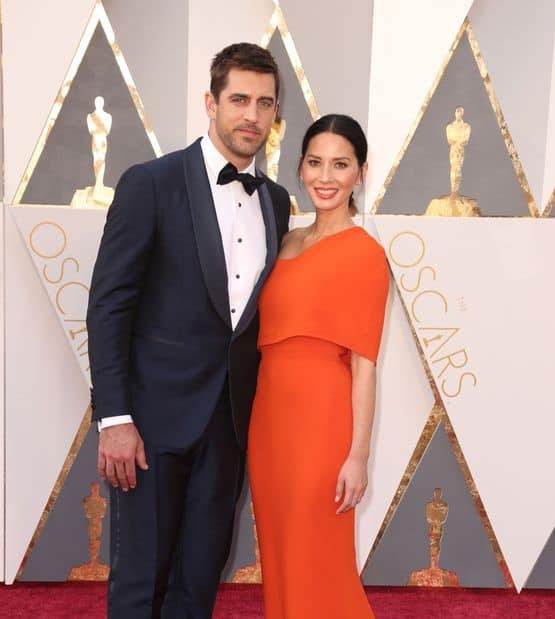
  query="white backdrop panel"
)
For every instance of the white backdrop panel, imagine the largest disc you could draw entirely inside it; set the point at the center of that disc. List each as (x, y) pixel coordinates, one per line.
(39, 41)
(63, 244)
(2, 401)
(403, 405)
(46, 398)
(473, 290)
(410, 41)
(210, 30)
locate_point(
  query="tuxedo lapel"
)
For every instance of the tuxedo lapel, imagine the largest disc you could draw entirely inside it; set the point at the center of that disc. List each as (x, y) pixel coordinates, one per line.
(269, 217)
(206, 230)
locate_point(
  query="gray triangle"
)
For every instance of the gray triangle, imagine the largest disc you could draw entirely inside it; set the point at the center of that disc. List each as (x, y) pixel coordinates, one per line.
(488, 174)
(63, 542)
(294, 110)
(543, 574)
(465, 547)
(65, 163)
(52, 557)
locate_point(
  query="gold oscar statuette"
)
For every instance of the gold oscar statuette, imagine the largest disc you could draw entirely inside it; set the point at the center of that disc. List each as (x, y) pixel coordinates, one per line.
(294, 209)
(99, 124)
(273, 147)
(453, 204)
(435, 576)
(250, 574)
(273, 153)
(95, 509)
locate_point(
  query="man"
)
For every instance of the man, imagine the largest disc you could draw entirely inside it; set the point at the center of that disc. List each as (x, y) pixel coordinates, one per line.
(172, 327)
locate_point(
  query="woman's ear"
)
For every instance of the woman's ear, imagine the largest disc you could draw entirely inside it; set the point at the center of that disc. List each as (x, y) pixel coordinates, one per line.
(363, 172)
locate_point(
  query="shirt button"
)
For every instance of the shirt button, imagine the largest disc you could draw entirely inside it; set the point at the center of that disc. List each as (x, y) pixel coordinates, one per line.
(237, 276)
(239, 205)
(233, 310)
(239, 240)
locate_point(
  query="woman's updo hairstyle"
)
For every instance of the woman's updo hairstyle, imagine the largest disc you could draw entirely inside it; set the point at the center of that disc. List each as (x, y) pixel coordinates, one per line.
(346, 127)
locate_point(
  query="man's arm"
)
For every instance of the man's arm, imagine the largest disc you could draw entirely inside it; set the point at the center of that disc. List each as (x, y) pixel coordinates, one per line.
(115, 290)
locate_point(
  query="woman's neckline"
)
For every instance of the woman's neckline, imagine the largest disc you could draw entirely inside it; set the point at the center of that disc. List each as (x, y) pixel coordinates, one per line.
(325, 238)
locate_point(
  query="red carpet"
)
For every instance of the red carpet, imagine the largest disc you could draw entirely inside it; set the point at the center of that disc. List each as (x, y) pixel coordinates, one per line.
(86, 601)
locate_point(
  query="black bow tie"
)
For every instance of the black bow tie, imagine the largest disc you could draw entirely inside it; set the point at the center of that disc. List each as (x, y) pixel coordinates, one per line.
(230, 173)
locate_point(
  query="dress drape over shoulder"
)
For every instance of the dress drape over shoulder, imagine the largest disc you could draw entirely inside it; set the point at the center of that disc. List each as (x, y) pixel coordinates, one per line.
(340, 296)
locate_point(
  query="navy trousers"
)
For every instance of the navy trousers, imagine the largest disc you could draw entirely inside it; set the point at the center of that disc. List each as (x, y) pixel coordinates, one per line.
(170, 536)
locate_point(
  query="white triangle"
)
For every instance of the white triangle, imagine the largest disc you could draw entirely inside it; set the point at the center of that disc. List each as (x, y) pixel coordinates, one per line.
(401, 414)
(489, 278)
(63, 244)
(2, 410)
(46, 398)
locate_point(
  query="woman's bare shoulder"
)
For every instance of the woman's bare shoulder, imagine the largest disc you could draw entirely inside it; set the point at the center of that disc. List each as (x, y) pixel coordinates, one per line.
(292, 236)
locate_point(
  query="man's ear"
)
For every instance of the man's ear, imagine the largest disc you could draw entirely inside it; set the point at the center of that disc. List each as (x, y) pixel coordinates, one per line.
(210, 104)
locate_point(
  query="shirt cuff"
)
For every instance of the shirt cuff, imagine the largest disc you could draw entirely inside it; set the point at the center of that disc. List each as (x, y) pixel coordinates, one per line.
(106, 422)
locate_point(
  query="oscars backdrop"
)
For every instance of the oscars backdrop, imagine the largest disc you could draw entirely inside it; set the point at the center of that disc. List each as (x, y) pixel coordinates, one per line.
(458, 103)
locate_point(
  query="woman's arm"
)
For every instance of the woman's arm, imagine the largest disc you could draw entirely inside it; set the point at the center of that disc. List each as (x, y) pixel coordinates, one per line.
(353, 477)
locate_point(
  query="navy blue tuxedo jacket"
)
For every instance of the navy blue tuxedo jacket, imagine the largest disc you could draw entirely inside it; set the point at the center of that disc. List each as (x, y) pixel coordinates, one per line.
(160, 338)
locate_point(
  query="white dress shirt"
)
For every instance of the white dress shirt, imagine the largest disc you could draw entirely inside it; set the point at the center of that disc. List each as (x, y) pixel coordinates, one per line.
(243, 238)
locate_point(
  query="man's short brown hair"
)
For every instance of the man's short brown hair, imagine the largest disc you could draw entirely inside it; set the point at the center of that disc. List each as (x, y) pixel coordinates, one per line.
(243, 56)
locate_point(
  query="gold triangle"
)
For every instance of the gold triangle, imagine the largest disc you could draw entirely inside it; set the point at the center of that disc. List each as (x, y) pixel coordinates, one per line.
(549, 206)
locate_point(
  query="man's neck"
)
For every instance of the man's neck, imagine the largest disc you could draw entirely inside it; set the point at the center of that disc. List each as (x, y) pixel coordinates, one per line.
(241, 163)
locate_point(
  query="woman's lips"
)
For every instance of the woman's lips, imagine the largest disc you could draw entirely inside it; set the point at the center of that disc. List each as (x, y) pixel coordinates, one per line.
(325, 193)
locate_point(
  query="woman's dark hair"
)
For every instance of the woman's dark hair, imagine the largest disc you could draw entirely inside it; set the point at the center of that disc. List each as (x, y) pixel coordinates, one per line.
(243, 56)
(346, 127)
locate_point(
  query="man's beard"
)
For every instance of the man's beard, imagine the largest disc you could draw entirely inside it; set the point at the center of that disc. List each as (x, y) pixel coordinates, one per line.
(242, 147)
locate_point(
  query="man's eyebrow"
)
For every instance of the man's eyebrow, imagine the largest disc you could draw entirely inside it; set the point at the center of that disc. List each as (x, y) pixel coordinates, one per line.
(245, 96)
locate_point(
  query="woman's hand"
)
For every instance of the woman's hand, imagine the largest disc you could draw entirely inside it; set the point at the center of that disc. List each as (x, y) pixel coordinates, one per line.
(351, 483)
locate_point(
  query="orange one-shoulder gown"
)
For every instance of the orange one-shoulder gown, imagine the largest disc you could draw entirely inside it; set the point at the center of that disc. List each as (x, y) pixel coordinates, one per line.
(314, 309)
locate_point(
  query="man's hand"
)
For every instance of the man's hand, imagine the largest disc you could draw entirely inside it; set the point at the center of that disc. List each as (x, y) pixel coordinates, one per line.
(119, 447)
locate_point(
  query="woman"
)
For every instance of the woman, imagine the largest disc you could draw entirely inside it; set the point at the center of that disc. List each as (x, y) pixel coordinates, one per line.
(321, 314)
